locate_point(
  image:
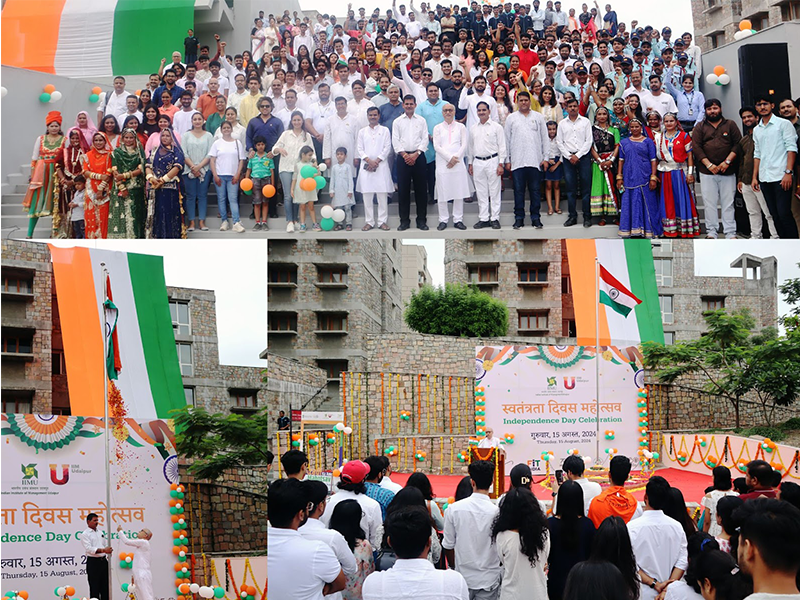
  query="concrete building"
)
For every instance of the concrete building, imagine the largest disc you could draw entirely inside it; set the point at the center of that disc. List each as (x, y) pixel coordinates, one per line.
(716, 21)
(415, 271)
(325, 296)
(34, 376)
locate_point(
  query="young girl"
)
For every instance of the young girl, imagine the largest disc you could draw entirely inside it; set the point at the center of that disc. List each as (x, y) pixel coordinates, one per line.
(262, 171)
(554, 172)
(342, 188)
(301, 196)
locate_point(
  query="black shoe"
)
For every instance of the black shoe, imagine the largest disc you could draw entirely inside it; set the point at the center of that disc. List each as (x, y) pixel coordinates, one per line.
(570, 222)
(495, 224)
(441, 227)
(537, 224)
(481, 225)
(460, 226)
(274, 216)
(402, 228)
(431, 202)
(422, 227)
(469, 200)
(252, 214)
(587, 222)
(518, 224)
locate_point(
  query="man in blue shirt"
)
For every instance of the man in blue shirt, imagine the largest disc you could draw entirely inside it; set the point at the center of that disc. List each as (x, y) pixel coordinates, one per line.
(431, 111)
(265, 125)
(169, 86)
(374, 490)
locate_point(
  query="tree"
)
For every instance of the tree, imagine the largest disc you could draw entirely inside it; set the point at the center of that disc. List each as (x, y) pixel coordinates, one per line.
(220, 442)
(457, 309)
(791, 294)
(734, 361)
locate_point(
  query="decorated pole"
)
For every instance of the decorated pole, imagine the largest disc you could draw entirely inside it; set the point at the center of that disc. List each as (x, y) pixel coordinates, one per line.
(106, 341)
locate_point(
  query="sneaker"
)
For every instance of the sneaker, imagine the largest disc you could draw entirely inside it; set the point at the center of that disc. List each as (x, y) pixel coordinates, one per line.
(537, 224)
(257, 226)
(519, 224)
(303, 228)
(225, 226)
(495, 224)
(238, 227)
(316, 227)
(460, 226)
(264, 226)
(290, 227)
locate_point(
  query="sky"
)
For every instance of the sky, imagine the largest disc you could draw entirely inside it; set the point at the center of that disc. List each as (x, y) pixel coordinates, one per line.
(235, 270)
(659, 13)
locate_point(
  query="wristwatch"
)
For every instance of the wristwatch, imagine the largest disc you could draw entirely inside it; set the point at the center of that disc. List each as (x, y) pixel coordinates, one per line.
(727, 162)
(653, 583)
(788, 172)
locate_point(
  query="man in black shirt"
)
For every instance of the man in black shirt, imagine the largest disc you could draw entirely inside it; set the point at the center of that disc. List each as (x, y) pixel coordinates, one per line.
(283, 421)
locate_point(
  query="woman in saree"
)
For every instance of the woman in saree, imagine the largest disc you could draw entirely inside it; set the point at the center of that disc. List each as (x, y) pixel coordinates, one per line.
(87, 129)
(68, 169)
(605, 148)
(640, 212)
(674, 151)
(132, 122)
(164, 122)
(258, 41)
(42, 195)
(109, 127)
(97, 171)
(164, 209)
(127, 213)
(619, 117)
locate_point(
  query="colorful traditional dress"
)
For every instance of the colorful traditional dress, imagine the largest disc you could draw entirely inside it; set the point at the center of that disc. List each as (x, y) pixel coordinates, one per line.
(677, 201)
(621, 123)
(164, 206)
(71, 166)
(43, 190)
(604, 198)
(96, 164)
(128, 212)
(640, 211)
(365, 565)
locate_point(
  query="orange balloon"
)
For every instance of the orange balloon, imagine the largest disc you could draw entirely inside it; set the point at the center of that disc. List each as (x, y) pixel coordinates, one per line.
(177, 534)
(268, 190)
(23, 594)
(178, 567)
(70, 590)
(451, 499)
(719, 70)
(745, 25)
(176, 549)
(246, 184)
(181, 598)
(175, 518)
(49, 88)
(308, 184)
(173, 486)
(178, 582)
(184, 588)
(122, 556)
(336, 472)
(97, 90)
(251, 590)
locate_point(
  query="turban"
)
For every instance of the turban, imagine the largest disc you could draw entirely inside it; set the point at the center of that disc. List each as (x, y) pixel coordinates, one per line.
(53, 115)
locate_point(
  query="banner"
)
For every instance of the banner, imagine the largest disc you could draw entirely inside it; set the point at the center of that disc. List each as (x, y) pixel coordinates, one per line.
(544, 399)
(53, 475)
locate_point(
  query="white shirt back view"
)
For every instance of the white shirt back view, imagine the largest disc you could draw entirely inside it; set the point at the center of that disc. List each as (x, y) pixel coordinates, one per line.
(659, 545)
(415, 578)
(314, 529)
(299, 568)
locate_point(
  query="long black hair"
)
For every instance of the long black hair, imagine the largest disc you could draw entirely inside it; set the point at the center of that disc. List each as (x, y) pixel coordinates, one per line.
(725, 509)
(722, 478)
(719, 569)
(569, 509)
(520, 511)
(699, 543)
(420, 481)
(676, 509)
(613, 543)
(346, 519)
(595, 579)
(464, 488)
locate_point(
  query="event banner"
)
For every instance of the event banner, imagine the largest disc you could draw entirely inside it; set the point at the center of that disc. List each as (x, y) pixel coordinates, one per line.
(544, 399)
(53, 475)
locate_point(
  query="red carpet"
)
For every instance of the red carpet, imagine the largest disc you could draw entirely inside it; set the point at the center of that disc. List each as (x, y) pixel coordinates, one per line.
(692, 485)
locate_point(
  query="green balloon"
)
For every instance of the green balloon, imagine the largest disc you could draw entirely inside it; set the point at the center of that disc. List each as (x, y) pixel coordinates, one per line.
(180, 495)
(184, 525)
(326, 224)
(55, 591)
(180, 510)
(173, 510)
(94, 98)
(320, 181)
(718, 83)
(248, 192)
(44, 98)
(306, 171)
(177, 542)
(123, 564)
(219, 592)
(124, 587)
(176, 526)
(173, 493)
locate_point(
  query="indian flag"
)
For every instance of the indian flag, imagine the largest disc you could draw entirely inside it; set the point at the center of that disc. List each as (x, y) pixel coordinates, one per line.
(139, 335)
(629, 308)
(93, 38)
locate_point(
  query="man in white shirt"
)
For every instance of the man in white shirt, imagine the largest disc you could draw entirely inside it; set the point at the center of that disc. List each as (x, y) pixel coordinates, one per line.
(374, 146)
(96, 548)
(359, 105)
(413, 27)
(299, 568)
(351, 487)
(191, 75)
(304, 39)
(658, 542)
(467, 539)
(308, 95)
(131, 109)
(574, 467)
(489, 441)
(341, 87)
(235, 97)
(413, 575)
(487, 154)
(285, 114)
(340, 132)
(410, 141)
(636, 87)
(574, 139)
(434, 63)
(657, 100)
(469, 102)
(318, 114)
(314, 529)
(182, 121)
(115, 101)
(386, 482)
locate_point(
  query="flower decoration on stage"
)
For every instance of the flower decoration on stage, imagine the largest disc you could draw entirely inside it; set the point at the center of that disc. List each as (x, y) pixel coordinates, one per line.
(611, 452)
(126, 560)
(718, 77)
(330, 437)
(745, 30)
(768, 445)
(711, 461)
(65, 591)
(508, 438)
(610, 434)
(463, 456)
(248, 592)
(420, 456)
(547, 456)
(18, 595)
(313, 439)
(405, 415)
(682, 456)
(295, 440)
(390, 451)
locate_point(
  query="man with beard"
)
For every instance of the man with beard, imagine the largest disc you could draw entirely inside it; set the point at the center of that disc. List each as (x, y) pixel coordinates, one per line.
(753, 200)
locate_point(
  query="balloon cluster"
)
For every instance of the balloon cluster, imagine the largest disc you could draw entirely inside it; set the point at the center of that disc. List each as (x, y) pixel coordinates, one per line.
(682, 456)
(547, 456)
(49, 94)
(776, 465)
(745, 30)
(711, 461)
(702, 441)
(17, 595)
(206, 591)
(641, 405)
(248, 592)
(330, 438)
(126, 560)
(718, 77)
(463, 456)
(508, 438)
(313, 439)
(128, 588)
(420, 456)
(296, 440)
(573, 452)
(246, 185)
(405, 415)
(587, 460)
(768, 445)
(330, 216)
(390, 451)
(610, 434)
(341, 428)
(447, 504)
(64, 591)
(651, 455)
(611, 452)
(97, 95)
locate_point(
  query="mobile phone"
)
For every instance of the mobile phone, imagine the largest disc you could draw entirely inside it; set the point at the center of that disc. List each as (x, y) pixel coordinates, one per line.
(559, 476)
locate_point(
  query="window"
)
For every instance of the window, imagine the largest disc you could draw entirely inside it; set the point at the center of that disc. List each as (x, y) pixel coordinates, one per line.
(18, 404)
(669, 338)
(283, 273)
(663, 271)
(58, 367)
(332, 275)
(712, 302)
(283, 322)
(421, 279)
(18, 343)
(568, 328)
(332, 322)
(790, 11)
(16, 283)
(188, 392)
(333, 368)
(716, 39)
(185, 359)
(179, 311)
(760, 21)
(483, 274)
(532, 321)
(667, 315)
(533, 274)
(662, 246)
(244, 398)
(566, 284)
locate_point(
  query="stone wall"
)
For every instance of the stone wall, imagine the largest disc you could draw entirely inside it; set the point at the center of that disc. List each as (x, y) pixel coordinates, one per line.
(292, 383)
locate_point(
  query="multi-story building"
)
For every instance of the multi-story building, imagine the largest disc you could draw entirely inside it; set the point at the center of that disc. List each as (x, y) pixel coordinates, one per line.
(326, 295)
(34, 377)
(415, 271)
(716, 21)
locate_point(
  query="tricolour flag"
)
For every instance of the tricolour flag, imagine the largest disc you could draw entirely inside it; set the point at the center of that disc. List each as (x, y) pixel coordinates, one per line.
(629, 312)
(150, 384)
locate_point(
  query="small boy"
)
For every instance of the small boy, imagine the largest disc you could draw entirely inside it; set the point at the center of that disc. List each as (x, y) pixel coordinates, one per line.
(261, 169)
(190, 44)
(341, 189)
(76, 208)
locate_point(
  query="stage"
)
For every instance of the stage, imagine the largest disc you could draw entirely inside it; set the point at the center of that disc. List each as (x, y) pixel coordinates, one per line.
(691, 484)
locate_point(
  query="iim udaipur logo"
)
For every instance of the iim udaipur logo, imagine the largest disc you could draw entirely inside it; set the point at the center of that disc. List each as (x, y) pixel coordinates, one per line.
(29, 473)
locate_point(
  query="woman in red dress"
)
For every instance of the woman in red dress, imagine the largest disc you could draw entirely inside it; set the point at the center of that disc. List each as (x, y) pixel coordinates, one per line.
(97, 170)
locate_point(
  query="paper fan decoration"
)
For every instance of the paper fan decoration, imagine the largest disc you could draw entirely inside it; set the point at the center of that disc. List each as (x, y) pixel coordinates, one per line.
(561, 357)
(44, 432)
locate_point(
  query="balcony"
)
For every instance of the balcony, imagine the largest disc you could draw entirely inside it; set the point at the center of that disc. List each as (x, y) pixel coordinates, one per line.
(17, 285)
(282, 275)
(331, 277)
(282, 324)
(532, 276)
(331, 323)
(483, 275)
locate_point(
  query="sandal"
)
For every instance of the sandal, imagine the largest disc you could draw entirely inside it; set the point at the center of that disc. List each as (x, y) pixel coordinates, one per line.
(366, 227)
(549, 211)
(349, 228)
(558, 211)
(602, 222)
(384, 227)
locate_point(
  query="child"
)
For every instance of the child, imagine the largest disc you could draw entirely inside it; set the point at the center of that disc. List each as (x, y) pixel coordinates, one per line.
(190, 44)
(76, 208)
(299, 195)
(261, 169)
(342, 188)
(555, 172)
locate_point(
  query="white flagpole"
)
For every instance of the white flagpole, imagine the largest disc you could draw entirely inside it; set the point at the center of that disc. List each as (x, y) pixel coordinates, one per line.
(597, 355)
(106, 341)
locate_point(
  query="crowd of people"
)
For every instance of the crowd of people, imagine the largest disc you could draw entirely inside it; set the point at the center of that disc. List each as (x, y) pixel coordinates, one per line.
(455, 103)
(375, 540)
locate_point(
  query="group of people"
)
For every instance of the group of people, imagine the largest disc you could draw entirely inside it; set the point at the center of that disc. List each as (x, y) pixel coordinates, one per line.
(374, 539)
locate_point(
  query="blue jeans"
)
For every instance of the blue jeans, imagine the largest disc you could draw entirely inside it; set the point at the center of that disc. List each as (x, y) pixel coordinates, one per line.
(582, 171)
(288, 205)
(197, 192)
(532, 178)
(228, 194)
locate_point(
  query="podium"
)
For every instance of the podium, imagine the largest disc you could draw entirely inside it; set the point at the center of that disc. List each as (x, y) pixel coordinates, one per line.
(498, 458)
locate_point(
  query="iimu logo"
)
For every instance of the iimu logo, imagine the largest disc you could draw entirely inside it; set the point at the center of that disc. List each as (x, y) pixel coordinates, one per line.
(64, 474)
(569, 383)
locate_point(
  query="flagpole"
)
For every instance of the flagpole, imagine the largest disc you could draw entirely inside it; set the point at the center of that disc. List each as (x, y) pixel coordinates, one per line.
(106, 340)
(597, 356)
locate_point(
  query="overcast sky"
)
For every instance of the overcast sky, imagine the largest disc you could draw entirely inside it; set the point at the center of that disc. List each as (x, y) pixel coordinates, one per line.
(235, 270)
(659, 13)
(712, 257)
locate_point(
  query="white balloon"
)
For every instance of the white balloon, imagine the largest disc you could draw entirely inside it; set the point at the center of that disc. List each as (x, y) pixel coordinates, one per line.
(56, 96)
(724, 79)
(3, 92)
(322, 167)
(338, 215)
(339, 425)
(132, 588)
(738, 35)
(587, 459)
(209, 592)
(194, 588)
(61, 591)
(348, 430)
(326, 211)
(103, 96)
(748, 33)
(181, 521)
(711, 79)
(128, 559)
(181, 553)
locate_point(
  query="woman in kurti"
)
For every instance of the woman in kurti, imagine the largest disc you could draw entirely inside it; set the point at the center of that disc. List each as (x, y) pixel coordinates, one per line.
(238, 132)
(110, 129)
(604, 152)
(97, 171)
(674, 149)
(640, 213)
(196, 174)
(450, 142)
(288, 147)
(164, 210)
(127, 212)
(132, 122)
(43, 191)
(86, 127)
(68, 169)
(550, 109)
(215, 119)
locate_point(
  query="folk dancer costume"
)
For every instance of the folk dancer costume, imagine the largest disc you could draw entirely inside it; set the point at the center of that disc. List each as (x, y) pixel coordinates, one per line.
(43, 190)
(71, 166)
(96, 165)
(86, 132)
(128, 210)
(677, 201)
(604, 200)
(640, 212)
(164, 206)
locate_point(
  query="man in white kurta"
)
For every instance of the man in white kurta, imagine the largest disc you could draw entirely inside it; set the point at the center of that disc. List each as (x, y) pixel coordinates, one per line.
(487, 153)
(450, 143)
(340, 132)
(373, 146)
(142, 576)
(358, 106)
(469, 102)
